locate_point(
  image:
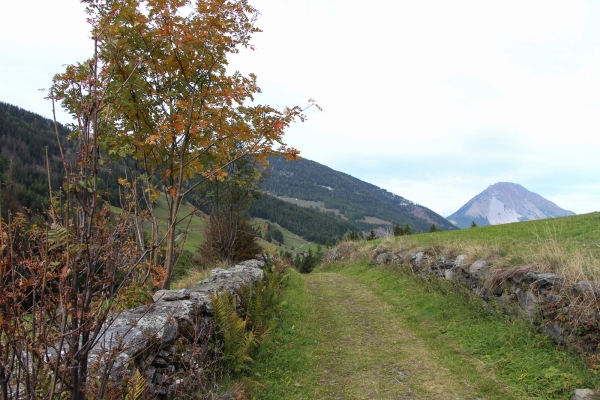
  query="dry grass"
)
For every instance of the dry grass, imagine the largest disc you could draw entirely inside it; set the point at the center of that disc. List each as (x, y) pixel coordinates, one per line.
(193, 276)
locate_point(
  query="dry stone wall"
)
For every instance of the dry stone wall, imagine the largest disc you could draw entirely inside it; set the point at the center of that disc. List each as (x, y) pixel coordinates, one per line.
(567, 313)
(168, 340)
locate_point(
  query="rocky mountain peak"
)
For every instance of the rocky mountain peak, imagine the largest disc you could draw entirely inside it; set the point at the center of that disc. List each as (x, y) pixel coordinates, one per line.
(505, 202)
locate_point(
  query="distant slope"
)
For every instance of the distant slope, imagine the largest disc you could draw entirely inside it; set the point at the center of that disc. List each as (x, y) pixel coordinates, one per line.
(355, 199)
(24, 137)
(292, 243)
(505, 202)
(308, 223)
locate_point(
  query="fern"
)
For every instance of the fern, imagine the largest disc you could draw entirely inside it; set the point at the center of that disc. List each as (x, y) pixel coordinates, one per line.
(255, 306)
(136, 387)
(236, 342)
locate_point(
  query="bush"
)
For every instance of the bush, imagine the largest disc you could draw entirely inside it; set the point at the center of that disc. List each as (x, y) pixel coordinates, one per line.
(351, 236)
(227, 239)
(274, 233)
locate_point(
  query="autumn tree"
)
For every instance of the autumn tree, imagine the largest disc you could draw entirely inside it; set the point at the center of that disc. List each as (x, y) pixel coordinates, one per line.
(172, 105)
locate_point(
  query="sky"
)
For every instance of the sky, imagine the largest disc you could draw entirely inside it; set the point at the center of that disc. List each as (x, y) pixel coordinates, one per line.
(432, 100)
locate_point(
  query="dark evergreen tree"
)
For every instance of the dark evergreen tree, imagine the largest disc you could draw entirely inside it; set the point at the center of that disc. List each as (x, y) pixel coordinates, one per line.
(407, 230)
(308, 263)
(274, 233)
(372, 235)
(473, 224)
(433, 228)
(398, 230)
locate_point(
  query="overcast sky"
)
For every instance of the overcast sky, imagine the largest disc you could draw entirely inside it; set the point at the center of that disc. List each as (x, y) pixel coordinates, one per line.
(432, 100)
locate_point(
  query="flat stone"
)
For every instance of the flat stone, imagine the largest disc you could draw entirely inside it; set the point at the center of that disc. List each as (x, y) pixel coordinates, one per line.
(555, 331)
(449, 274)
(384, 258)
(420, 258)
(171, 295)
(543, 280)
(444, 263)
(527, 301)
(584, 394)
(461, 262)
(253, 263)
(479, 268)
(399, 258)
(586, 288)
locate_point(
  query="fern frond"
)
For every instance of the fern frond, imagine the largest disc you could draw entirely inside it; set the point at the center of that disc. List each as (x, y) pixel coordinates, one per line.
(136, 386)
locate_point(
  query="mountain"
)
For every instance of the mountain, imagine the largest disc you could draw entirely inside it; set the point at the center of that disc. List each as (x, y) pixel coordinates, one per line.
(505, 202)
(24, 138)
(367, 206)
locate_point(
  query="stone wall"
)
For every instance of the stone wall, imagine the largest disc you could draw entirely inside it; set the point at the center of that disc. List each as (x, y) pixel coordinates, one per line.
(168, 340)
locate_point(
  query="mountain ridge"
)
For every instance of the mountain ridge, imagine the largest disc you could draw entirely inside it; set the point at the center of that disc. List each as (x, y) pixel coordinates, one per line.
(357, 201)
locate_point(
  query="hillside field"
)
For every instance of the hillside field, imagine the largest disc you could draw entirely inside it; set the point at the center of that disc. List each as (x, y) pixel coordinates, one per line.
(289, 238)
(567, 245)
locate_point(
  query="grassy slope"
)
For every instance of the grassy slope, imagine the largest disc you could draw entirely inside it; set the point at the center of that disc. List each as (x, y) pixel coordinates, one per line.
(568, 245)
(289, 239)
(355, 331)
(194, 229)
(308, 203)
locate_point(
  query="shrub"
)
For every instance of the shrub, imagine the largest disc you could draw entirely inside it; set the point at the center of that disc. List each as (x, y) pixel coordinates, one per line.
(227, 239)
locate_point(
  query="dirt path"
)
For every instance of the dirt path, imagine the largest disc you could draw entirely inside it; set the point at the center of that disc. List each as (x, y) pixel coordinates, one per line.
(366, 352)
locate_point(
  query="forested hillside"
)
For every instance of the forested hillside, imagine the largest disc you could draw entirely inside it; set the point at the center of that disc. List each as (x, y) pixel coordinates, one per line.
(24, 137)
(353, 198)
(306, 222)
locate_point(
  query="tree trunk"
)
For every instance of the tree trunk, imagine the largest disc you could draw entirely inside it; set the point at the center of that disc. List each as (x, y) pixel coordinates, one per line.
(170, 239)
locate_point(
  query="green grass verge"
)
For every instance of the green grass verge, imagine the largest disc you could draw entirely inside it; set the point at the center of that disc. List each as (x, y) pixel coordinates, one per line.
(284, 366)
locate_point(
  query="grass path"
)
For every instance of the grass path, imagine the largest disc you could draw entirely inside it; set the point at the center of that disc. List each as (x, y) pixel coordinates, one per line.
(367, 352)
(358, 332)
